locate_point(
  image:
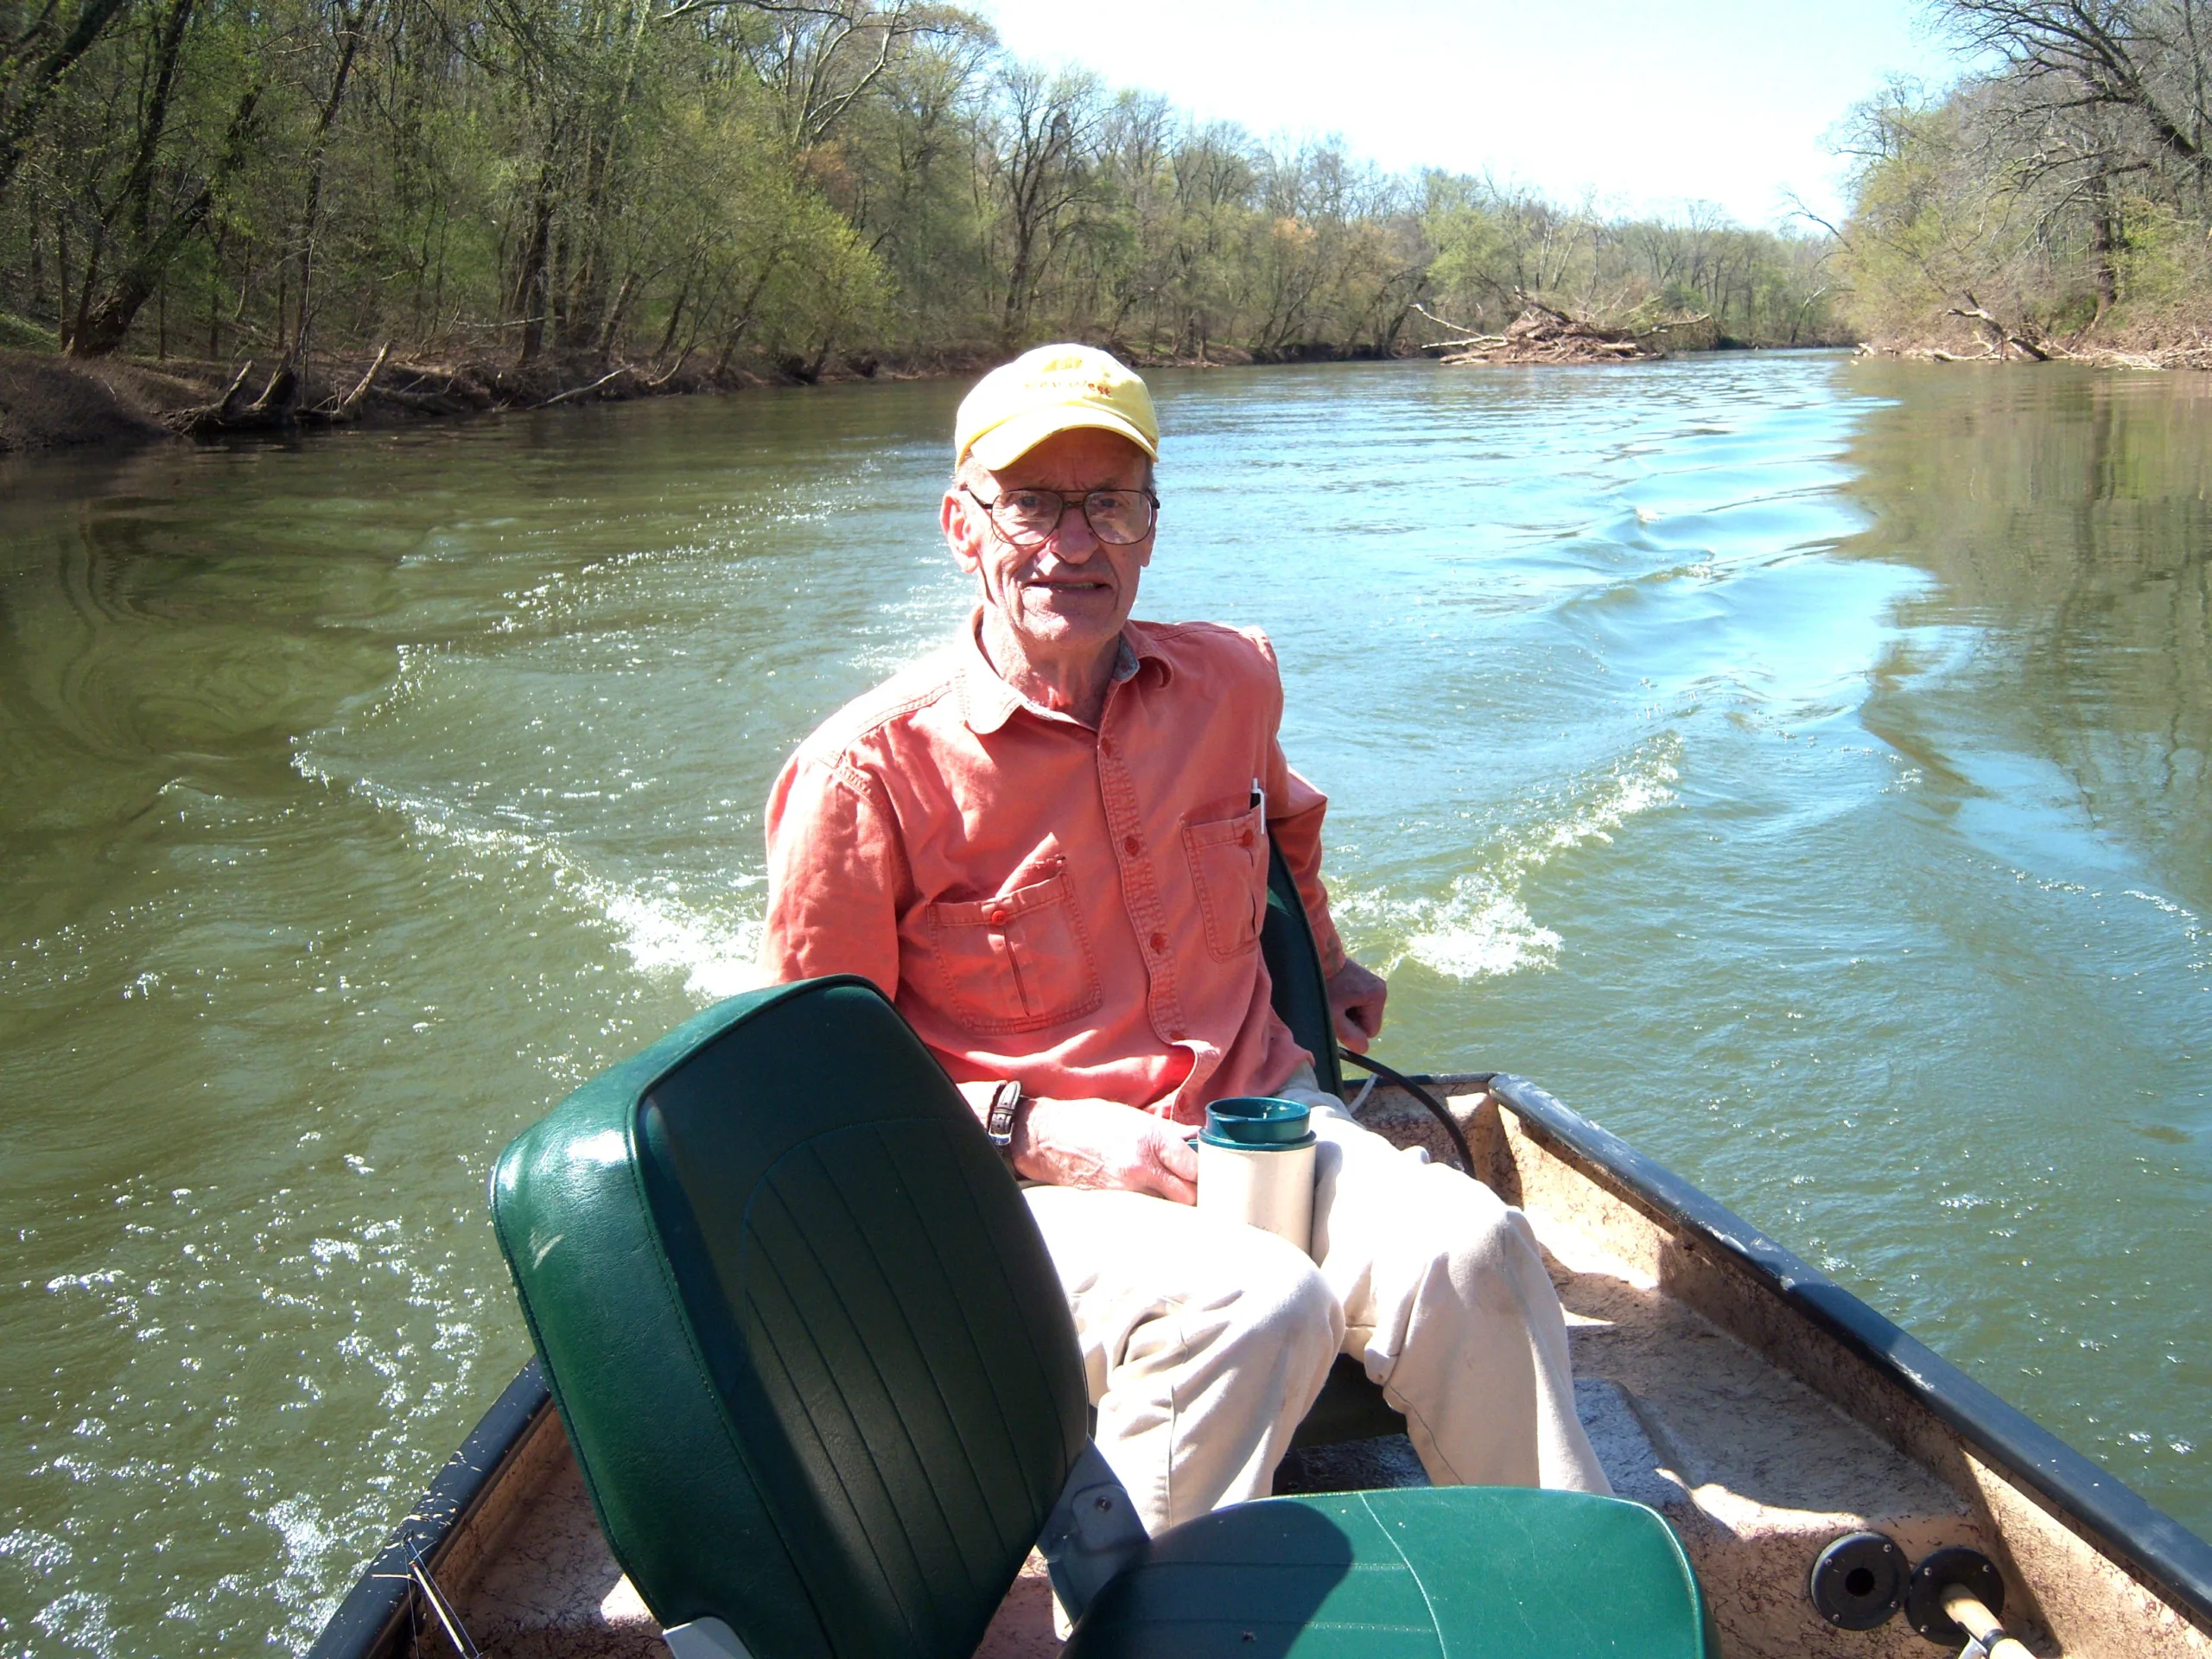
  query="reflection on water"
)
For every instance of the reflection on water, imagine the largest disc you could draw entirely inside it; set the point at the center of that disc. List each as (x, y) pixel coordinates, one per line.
(1798, 764)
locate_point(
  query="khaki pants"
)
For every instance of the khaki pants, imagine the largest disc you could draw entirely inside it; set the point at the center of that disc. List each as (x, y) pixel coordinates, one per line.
(1205, 1341)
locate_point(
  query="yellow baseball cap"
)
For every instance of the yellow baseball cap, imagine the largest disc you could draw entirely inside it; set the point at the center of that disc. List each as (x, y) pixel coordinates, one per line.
(1053, 389)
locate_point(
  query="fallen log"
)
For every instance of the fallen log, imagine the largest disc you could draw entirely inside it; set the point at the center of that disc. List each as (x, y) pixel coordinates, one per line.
(228, 404)
(279, 399)
(2007, 337)
(274, 409)
(672, 370)
(579, 391)
(349, 406)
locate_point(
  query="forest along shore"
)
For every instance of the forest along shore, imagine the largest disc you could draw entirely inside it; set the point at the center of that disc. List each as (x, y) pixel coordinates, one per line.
(241, 208)
(689, 194)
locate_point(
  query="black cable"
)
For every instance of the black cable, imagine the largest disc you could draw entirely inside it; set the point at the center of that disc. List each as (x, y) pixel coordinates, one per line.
(1442, 1113)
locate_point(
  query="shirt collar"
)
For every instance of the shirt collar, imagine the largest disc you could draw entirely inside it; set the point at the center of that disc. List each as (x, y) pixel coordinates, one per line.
(987, 701)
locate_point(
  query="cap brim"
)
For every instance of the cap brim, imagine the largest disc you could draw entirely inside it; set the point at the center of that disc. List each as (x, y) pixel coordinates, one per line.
(1006, 443)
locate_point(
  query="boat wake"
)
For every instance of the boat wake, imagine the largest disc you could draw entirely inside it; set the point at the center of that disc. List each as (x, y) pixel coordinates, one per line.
(1482, 928)
(714, 949)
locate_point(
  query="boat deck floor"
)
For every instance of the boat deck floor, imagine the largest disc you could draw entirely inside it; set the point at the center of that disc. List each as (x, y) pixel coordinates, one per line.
(1755, 1470)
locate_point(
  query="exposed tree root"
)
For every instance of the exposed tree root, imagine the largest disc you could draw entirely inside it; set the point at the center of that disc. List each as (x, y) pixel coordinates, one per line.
(415, 389)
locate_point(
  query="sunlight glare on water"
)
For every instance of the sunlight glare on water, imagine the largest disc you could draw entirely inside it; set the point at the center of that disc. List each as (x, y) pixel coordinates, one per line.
(1796, 765)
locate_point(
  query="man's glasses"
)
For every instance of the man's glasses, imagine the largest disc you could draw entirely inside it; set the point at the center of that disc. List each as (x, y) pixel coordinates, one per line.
(1028, 518)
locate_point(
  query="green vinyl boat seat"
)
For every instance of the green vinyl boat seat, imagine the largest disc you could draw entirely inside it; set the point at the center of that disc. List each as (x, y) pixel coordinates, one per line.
(1469, 1572)
(1351, 1406)
(824, 1391)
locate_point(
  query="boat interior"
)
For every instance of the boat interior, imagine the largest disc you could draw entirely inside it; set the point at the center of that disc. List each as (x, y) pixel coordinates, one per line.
(1838, 1489)
(1761, 1438)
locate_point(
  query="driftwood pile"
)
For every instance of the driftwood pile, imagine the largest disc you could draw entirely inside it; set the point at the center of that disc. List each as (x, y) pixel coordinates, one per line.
(1542, 334)
(1546, 334)
(282, 404)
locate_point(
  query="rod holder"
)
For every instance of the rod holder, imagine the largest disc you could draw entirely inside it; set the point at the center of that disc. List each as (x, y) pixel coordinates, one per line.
(1955, 1598)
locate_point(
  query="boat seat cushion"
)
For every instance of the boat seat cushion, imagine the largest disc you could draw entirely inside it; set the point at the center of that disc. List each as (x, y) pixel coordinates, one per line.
(819, 1374)
(1474, 1572)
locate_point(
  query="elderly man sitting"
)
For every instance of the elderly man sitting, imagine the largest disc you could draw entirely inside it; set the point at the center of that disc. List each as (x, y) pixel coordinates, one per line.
(1048, 846)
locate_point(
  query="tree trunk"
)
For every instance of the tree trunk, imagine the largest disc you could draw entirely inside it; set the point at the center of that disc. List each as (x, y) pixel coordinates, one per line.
(2104, 245)
(100, 330)
(675, 315)
(61, 284)
(531, 287)
(349, 36)
(613, 326)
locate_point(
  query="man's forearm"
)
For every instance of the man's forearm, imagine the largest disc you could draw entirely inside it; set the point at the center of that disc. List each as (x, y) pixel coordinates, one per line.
(1095, 1143)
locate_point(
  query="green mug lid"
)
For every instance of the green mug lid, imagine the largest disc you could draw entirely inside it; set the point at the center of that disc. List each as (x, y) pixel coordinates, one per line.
(1259, 1122)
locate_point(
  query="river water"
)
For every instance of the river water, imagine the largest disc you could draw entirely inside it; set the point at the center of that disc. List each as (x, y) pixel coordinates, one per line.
(1798, 764)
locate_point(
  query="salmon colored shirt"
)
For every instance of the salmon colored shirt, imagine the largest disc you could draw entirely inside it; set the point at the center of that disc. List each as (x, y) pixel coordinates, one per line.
(1077, 909)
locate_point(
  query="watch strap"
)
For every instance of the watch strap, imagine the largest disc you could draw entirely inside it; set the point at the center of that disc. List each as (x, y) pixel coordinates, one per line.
(998, 1122)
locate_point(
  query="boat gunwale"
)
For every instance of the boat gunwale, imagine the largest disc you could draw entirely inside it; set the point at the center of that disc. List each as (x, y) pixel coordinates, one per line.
(364, 1622)
(2144, 1541)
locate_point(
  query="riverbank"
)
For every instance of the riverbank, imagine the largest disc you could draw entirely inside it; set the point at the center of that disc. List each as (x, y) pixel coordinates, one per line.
(51, 402)
(1973, 334)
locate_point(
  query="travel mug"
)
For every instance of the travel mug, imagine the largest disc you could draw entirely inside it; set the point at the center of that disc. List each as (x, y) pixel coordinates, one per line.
(1255, 1165)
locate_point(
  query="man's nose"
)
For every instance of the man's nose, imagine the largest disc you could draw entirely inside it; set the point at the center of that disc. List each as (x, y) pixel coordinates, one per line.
(1073, 539)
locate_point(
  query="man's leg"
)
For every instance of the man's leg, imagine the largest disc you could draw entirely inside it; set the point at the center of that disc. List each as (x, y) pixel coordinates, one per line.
(1447, 1303)
(1204, 1343)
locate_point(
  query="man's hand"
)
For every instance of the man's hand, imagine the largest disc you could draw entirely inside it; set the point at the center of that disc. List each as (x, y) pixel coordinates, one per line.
(1355, 1000)
(1101, 1143)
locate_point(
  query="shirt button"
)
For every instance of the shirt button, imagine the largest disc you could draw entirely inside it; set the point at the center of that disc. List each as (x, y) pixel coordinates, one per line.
(1244, 838)
(1132, 846)
(1176, 1036)
(998, 918)
(1159, 944)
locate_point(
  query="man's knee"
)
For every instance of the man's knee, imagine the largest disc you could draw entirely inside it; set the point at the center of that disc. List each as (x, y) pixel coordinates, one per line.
(1437, 1223)
(1274, 1296)
(1486, 1247)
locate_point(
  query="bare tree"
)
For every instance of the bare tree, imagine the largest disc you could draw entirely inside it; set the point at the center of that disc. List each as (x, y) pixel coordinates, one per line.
(2144, 58)
(1048, 129)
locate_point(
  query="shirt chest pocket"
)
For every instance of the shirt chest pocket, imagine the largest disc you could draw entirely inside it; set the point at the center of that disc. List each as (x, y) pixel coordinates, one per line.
(1020, 962)
(1229, 866)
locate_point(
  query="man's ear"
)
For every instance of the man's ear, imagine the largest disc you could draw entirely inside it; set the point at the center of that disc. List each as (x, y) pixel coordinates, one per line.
(958, 517)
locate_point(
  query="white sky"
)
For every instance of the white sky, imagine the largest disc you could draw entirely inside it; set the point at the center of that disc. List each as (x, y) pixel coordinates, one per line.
(1650, 106)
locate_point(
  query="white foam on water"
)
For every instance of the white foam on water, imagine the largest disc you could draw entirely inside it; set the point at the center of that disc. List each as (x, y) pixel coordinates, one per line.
(716, 951)
(1481, 932)
(718, 956)
(1482, 928)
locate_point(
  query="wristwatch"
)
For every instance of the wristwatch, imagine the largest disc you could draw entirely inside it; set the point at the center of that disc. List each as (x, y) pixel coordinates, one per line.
(998, 1122)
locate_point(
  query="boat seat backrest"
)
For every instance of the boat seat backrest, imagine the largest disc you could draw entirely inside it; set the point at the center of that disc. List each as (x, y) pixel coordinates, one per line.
(1295, 985)
(817, 1370)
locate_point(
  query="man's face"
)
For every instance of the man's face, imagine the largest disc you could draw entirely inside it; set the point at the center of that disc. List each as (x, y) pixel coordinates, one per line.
(1072, 594)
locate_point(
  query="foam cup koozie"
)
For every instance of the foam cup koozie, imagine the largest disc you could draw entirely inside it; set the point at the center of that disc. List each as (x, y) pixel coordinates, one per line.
(1255, 1165)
